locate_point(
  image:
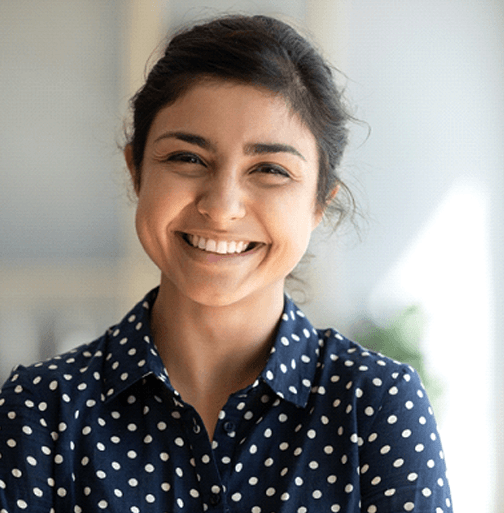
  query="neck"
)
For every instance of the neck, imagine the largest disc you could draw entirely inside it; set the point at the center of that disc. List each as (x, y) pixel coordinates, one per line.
(212, 351)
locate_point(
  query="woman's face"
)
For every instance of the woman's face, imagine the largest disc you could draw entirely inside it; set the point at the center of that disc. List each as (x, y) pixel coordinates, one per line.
(227, 200)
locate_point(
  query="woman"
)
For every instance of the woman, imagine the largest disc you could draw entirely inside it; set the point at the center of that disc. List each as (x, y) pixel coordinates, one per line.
(215, 392)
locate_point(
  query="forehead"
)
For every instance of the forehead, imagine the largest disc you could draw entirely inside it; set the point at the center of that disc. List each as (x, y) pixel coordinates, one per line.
(234, 112)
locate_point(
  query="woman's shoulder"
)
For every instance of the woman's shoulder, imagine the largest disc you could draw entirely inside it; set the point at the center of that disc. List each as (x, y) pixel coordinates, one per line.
(33, 383)
(349, 366)
(89, 363)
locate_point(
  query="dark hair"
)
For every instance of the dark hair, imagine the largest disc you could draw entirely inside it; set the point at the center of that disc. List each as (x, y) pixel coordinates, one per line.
(257, 50)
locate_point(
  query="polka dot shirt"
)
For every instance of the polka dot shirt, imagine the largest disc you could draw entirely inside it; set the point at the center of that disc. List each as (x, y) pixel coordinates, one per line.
(327, 426)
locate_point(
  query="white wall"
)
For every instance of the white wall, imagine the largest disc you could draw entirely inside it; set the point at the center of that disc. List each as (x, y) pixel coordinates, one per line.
(60, 67)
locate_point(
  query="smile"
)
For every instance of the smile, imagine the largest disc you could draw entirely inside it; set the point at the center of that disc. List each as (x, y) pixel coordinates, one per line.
(221, 247)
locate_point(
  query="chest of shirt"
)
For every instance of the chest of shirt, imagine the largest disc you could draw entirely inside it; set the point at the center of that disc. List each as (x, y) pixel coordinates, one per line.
(151, 450)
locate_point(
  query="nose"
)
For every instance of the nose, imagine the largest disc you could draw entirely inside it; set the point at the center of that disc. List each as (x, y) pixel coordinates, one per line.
(222, 199)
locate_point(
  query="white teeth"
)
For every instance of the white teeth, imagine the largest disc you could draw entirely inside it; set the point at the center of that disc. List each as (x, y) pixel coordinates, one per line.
(211, 245)
(222, 247)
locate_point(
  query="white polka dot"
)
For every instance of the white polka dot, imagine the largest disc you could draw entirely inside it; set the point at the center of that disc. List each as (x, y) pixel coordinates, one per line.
(317, 494)
(419, 447)
(376, 480)
(390, 492)
(236, 497)
(409, 506)
(413, 476)
(102, 504)
(348, 488)
(385, 449)
(392, 419)
(369, 411)
(150, 498)
(406, 433)
(398, 463)
(270, 492)
(426, 492)
(22, 504)
(372, 509)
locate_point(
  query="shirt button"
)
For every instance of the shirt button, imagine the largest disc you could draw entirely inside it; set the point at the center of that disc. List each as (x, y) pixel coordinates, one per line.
(229, 427)
(215, 499)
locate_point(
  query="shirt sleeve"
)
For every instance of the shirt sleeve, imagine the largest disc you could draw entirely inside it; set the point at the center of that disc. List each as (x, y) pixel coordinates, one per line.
(402, 461)
(26, 458)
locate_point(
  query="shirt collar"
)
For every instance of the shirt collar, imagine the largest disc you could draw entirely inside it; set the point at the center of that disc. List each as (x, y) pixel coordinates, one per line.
(289, 372)
(131, 353)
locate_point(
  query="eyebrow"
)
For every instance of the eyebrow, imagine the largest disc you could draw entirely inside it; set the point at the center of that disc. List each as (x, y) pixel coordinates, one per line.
(250, 149)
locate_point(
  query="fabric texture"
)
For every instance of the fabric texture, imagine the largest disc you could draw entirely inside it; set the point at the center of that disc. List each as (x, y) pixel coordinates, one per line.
(327, 426)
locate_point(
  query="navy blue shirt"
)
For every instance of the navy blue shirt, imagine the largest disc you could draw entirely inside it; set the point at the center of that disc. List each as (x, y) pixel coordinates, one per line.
(327, 426)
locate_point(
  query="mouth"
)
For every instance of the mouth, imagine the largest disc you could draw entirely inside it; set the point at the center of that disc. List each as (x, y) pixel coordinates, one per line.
(220, 247)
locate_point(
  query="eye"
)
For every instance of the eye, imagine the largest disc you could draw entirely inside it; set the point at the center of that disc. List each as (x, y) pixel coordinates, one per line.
(188, 158)
(270, 169)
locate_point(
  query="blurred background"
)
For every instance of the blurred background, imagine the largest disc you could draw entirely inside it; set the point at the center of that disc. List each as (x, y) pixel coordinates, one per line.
(426, 280)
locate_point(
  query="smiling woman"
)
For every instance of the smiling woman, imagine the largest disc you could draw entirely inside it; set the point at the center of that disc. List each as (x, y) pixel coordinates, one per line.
(215, 392)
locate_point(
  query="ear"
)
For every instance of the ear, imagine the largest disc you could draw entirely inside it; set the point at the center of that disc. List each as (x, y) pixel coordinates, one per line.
(135, 177)
(320, 210)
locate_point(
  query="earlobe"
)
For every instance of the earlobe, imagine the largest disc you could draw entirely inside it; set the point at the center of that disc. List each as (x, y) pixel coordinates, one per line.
(128, 157)
(332, 194)
(320, 210)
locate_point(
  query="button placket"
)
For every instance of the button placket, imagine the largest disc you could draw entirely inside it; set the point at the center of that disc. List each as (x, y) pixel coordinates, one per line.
(204, 461)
